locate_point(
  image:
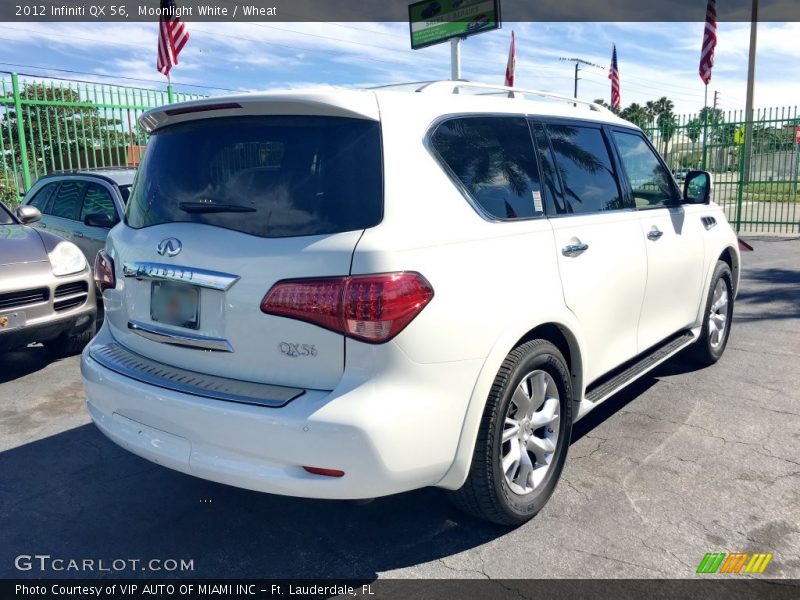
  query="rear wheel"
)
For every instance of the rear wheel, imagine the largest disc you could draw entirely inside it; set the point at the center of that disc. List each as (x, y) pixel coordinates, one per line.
(523, 438)
(717, 317)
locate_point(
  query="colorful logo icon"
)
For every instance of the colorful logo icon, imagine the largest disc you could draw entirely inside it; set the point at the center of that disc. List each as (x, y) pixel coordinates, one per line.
(736, 562)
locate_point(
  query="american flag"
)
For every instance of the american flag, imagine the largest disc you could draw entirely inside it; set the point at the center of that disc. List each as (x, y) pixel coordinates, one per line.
(613, 75)
(512, 62)
(709, 42)
(172, 37)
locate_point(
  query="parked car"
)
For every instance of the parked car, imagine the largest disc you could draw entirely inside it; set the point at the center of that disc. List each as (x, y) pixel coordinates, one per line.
(680, 174)
(81, 206)
(46, 288)
(289, 311)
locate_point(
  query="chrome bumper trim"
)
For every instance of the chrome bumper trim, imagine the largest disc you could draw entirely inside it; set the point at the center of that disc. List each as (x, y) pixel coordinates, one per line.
(184, 340)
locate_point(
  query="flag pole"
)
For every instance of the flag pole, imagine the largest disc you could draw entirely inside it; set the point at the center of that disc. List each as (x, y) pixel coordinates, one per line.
(705, 129)
(169, 89)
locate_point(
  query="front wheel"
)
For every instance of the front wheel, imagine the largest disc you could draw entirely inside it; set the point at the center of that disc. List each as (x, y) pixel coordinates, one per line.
(523, 438)
(717, 318)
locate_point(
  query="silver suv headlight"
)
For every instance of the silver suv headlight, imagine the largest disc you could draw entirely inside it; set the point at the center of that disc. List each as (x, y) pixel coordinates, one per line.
(66, 258)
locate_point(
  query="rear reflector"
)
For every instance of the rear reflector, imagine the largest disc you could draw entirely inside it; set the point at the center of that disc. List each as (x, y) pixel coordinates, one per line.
(369, 308)
(326, 472)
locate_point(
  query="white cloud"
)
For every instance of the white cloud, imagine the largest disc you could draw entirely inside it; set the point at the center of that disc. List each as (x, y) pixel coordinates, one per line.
(656, 59)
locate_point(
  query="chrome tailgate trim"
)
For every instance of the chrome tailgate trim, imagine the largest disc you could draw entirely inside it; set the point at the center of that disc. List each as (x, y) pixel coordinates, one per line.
(121, 360)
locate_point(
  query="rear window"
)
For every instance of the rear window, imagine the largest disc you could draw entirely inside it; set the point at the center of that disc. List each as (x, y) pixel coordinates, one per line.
(272, 176)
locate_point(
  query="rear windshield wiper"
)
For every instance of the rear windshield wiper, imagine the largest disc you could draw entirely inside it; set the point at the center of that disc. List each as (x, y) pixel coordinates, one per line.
(214, 207)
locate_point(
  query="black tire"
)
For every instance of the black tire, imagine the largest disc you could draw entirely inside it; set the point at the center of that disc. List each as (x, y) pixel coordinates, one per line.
(67, 345)
(704, 351)
(486, 494)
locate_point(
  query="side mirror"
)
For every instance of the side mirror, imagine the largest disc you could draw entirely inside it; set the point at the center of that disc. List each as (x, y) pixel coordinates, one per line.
(28, 214)
(697, 187)
(99, 220)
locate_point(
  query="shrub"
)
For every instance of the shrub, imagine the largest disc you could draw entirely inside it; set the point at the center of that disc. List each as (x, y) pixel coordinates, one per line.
(9, 194)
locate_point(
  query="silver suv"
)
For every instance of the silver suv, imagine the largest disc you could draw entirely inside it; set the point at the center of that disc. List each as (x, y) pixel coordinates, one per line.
(82, 206)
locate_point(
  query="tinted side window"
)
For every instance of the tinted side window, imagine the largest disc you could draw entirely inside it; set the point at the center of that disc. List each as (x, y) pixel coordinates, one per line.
(584, 165)
(98, 201)
(550, 180)
(5, 216)
(651, 183)
(125, 192)
(67, 203)
(493, 158)
(42, 196)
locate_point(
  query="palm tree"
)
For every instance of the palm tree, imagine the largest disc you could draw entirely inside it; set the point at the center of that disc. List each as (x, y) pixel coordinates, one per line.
(636, 114)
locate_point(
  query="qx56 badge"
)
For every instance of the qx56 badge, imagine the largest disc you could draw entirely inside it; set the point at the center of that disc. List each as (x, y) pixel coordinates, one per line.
(296, 350)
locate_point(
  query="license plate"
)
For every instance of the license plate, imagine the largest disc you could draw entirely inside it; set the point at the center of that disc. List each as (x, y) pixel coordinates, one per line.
(12, 320)
(174, 304)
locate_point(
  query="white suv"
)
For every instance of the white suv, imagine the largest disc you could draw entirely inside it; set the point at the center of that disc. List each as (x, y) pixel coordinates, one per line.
(348, 294)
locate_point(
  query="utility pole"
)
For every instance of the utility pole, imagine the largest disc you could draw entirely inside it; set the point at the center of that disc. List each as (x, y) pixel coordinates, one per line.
(578, 62)
(716, 95)
(751, 78)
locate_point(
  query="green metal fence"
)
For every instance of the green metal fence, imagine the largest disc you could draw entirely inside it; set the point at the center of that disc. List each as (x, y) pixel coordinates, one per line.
(755, 179)
(55, 124)
(52, 124)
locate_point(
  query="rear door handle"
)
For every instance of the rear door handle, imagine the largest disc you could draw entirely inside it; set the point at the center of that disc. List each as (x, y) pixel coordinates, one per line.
(654, 234)
(574, 249)
(77, 234)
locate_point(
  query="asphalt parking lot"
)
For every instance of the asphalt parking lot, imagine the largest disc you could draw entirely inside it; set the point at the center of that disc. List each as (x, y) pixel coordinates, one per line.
(683, 463)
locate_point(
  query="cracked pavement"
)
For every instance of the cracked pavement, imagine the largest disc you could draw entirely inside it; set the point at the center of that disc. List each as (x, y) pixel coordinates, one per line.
(682, 463)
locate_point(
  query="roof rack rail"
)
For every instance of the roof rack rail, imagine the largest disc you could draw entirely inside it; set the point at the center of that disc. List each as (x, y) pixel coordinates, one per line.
(87, 170)
(512, 92)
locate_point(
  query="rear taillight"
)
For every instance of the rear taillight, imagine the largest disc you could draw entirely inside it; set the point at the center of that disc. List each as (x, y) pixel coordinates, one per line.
(104, 276)
(370, 308)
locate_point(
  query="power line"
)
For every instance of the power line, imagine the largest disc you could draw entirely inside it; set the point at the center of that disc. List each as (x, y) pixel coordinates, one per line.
(72, 71)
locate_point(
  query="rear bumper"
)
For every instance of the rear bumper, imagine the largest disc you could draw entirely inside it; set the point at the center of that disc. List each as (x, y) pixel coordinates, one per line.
(389, 433)
(45, 332)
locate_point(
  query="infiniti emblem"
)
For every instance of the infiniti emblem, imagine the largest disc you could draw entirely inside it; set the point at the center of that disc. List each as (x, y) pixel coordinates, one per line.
(169, 247)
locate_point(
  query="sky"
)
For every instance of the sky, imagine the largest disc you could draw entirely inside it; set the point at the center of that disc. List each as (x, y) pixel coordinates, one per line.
(655, 59)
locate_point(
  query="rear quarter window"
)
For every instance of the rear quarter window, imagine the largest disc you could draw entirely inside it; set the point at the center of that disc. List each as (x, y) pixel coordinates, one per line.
(493, 160)
(270, 176)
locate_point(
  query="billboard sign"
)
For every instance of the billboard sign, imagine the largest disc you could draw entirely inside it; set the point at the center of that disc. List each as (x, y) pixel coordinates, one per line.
(436, 21)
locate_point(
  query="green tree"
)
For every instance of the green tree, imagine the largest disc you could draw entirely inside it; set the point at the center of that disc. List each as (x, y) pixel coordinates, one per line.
(636, 114)
(602, 102)
(694, 129)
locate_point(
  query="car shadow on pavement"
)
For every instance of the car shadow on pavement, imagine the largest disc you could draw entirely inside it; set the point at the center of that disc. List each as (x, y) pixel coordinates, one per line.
(774, 287)
(77, 495)
(24, 361)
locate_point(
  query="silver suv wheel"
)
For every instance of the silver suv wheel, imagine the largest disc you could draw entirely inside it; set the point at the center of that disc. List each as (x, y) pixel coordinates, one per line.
(530, 432)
